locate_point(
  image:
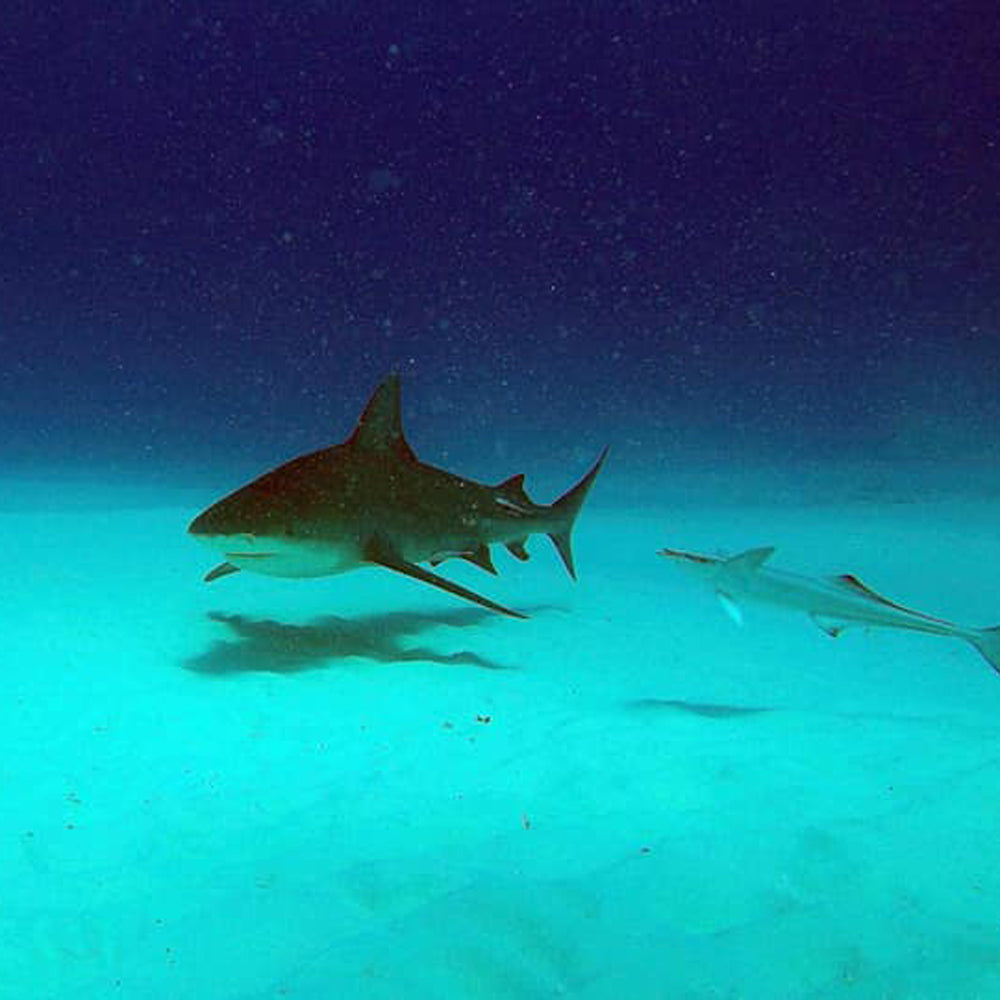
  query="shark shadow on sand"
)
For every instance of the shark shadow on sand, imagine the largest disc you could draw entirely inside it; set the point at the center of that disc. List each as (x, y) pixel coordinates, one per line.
(267, 646)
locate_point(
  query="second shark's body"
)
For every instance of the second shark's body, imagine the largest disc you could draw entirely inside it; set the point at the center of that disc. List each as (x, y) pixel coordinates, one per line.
(369, 501)
(834, 603)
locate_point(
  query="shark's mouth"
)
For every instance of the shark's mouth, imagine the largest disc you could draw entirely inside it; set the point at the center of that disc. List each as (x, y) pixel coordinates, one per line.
(250, 555)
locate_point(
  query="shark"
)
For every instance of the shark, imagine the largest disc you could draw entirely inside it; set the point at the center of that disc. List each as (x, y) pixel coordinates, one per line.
(834, 603)
(369, 501)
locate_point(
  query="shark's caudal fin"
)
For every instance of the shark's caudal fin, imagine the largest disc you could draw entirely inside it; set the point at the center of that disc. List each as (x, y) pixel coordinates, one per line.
(987, 641)
(565, 510)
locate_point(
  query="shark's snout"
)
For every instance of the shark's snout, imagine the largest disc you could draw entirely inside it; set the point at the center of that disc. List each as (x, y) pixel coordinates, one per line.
(210, 530)
(219, 532)
(211, 521)
(235, 529)
(199, 526)
(223, 519)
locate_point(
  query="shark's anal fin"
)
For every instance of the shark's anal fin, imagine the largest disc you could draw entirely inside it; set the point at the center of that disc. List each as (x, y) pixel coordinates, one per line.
(223, 569)
(517, 549)
(382, 555)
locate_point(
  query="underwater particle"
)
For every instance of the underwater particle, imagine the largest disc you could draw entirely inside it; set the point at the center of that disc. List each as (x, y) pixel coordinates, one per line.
(384, 181)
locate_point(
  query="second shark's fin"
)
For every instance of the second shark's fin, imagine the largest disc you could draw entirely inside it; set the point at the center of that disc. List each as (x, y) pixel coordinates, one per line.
(750, 560)
(223, 569)
(382, 555)
(849, 582)
(730, 606)
(987, 641)
(831, 626)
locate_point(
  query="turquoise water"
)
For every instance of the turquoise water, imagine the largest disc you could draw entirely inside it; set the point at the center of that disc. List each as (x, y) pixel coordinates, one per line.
(358, 786)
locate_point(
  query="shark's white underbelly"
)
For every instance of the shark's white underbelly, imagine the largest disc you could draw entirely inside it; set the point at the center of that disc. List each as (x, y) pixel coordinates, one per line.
(278, 557)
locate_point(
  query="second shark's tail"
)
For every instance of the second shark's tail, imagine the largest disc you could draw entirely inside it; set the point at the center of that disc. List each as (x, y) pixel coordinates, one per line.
(987, 641)
(564, 512)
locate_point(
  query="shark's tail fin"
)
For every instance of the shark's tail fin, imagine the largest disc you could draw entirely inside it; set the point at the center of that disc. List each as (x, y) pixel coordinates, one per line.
(565, 510)
(987, 641)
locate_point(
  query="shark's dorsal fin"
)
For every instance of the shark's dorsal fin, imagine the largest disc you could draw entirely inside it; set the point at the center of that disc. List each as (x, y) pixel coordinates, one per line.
(511, 495)
(750, 560)
(513, 488)
(380, 428)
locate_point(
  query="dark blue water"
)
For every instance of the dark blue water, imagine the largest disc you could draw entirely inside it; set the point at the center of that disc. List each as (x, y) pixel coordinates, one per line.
(765, 230)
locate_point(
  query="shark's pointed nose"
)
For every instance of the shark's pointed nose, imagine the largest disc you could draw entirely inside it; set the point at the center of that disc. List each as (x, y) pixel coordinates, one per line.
(202, 524)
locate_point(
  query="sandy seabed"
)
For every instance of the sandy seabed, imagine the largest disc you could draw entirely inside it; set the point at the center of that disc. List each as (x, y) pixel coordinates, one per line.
(361, 787)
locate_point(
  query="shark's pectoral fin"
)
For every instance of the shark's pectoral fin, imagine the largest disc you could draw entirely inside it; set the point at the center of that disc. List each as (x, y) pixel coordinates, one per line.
(831, 626)
(382, 555)
(223, 569)
(730, 606)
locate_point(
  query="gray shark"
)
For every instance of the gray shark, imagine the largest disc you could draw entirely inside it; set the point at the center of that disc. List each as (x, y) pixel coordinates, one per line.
(834, 603)
(370, 502)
